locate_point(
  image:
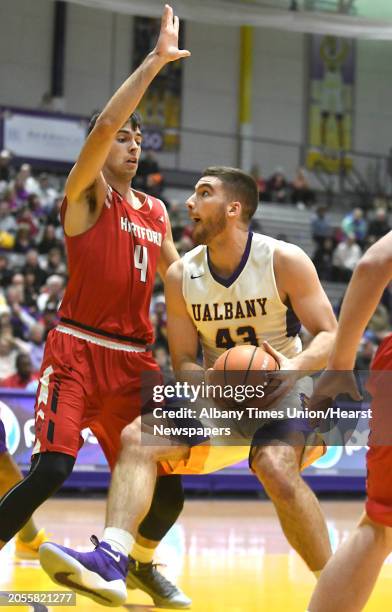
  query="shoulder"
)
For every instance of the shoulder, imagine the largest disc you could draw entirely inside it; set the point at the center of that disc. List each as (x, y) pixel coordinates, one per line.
(291, 263)
(175, 270)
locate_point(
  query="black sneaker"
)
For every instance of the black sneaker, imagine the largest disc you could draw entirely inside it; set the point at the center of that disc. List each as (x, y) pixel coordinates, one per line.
(145, 576)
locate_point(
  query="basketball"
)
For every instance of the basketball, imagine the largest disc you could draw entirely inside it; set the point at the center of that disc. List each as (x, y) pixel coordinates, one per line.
(246, 365)
(246, 357)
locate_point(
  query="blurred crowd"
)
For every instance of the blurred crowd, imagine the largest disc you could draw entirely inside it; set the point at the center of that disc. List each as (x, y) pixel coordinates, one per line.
(279, 189)
(33, 266)
(338, 249)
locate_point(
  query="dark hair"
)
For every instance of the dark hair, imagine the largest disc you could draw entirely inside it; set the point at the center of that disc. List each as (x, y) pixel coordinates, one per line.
(240, 185)
(135, 121)
(19, 358)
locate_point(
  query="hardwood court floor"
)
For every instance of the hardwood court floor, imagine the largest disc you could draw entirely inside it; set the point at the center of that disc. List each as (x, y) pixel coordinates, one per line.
(229, 556)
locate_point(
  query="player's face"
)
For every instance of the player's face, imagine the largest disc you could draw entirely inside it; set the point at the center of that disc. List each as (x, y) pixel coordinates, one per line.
(207, 208)
(124, 154)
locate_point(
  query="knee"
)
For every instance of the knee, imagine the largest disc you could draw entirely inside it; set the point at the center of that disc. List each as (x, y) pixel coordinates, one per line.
(131, 435)
(278, 476)
(52, 469)
(131, 443)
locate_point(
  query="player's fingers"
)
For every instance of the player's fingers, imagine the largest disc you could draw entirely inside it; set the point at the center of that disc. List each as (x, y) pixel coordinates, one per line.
(278, 393)
(267, 347)
(167, 16)
(184, 53)
(176, 24)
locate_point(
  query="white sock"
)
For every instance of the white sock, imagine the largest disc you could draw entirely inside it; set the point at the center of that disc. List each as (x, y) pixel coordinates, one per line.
(142, 553)
(119, 539)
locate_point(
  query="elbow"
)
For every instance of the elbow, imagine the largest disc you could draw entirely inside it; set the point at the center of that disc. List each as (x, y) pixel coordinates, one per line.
(372, 265)
(105, 126)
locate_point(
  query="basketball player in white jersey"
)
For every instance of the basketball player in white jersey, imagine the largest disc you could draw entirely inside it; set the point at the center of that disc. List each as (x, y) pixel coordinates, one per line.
(237, 288)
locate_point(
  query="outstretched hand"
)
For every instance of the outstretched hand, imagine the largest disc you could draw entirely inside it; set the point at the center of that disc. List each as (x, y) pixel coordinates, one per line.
(167, 44)
(331, 384)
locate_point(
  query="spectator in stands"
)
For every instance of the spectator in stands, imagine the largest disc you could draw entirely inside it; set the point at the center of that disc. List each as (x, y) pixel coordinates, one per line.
(161, 356)
(9, 345)
(366, 351)
(355, 225)
(25, 176)
(379, 226)
(24, 376)
(36, 345)
(6, 272)
(49, 318)
(18, 193)
(27, 217)
(278, 187)
(6, 172)
(379, 324)
(32, 266)
(46, 193)
(301, 193)
(320, 227)
(345, 258)
(23, 239)
(53, 217)
(322, 259)
(31, 292)
(159, 310)
(52, 293)
(21, 320)
(55, 263)
(260, 182)
(7, 220)
(149, 177)
(49, 240)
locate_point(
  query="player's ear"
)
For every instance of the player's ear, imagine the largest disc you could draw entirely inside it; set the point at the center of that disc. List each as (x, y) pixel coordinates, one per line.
(234, 209)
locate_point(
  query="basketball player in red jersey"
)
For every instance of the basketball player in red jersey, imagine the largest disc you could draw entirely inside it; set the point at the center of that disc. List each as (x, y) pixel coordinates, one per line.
(117, 238)
(350, 575)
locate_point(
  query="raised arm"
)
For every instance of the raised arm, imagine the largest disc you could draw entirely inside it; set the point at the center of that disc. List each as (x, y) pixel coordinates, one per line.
(372, 274)
(86, 175)
(181, 332)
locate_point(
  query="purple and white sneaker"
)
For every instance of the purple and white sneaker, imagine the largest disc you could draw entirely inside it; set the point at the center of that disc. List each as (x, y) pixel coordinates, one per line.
(99, 574)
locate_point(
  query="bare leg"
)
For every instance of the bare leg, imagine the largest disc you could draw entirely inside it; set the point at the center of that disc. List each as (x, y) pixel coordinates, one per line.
(10, 475)
(350, 575)
(134, 477)
(299, 512)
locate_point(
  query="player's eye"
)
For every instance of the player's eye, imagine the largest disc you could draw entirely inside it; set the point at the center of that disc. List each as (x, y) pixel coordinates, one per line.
(120, 139)
(205, 193)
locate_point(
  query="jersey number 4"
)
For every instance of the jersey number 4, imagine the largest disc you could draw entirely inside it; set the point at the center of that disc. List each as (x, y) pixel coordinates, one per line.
(245, 335)
(141, 261)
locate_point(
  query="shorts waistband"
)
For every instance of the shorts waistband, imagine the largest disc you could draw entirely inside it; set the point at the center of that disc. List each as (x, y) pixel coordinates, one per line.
(100, 340)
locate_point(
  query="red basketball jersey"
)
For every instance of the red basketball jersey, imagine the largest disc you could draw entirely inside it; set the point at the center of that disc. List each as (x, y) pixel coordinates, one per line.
(112, 268)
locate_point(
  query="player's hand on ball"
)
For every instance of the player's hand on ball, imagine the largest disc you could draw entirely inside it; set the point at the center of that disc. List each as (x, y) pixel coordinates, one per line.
(167, 44)
(281, 381)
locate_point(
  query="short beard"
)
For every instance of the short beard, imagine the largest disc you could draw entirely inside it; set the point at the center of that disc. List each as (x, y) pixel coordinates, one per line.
(210, 230)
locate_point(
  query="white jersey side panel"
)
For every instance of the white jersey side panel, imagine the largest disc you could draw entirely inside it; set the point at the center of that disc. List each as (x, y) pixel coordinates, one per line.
(244, 309)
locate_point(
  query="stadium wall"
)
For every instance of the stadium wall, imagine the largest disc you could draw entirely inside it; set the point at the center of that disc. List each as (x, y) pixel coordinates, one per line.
(99, 56)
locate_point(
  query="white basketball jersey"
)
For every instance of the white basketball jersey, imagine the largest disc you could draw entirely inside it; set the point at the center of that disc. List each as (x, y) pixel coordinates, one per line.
(243, 309)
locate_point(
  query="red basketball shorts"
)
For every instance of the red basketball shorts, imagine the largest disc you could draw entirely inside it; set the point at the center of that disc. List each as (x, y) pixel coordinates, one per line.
(379, 455)
(88, 381)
